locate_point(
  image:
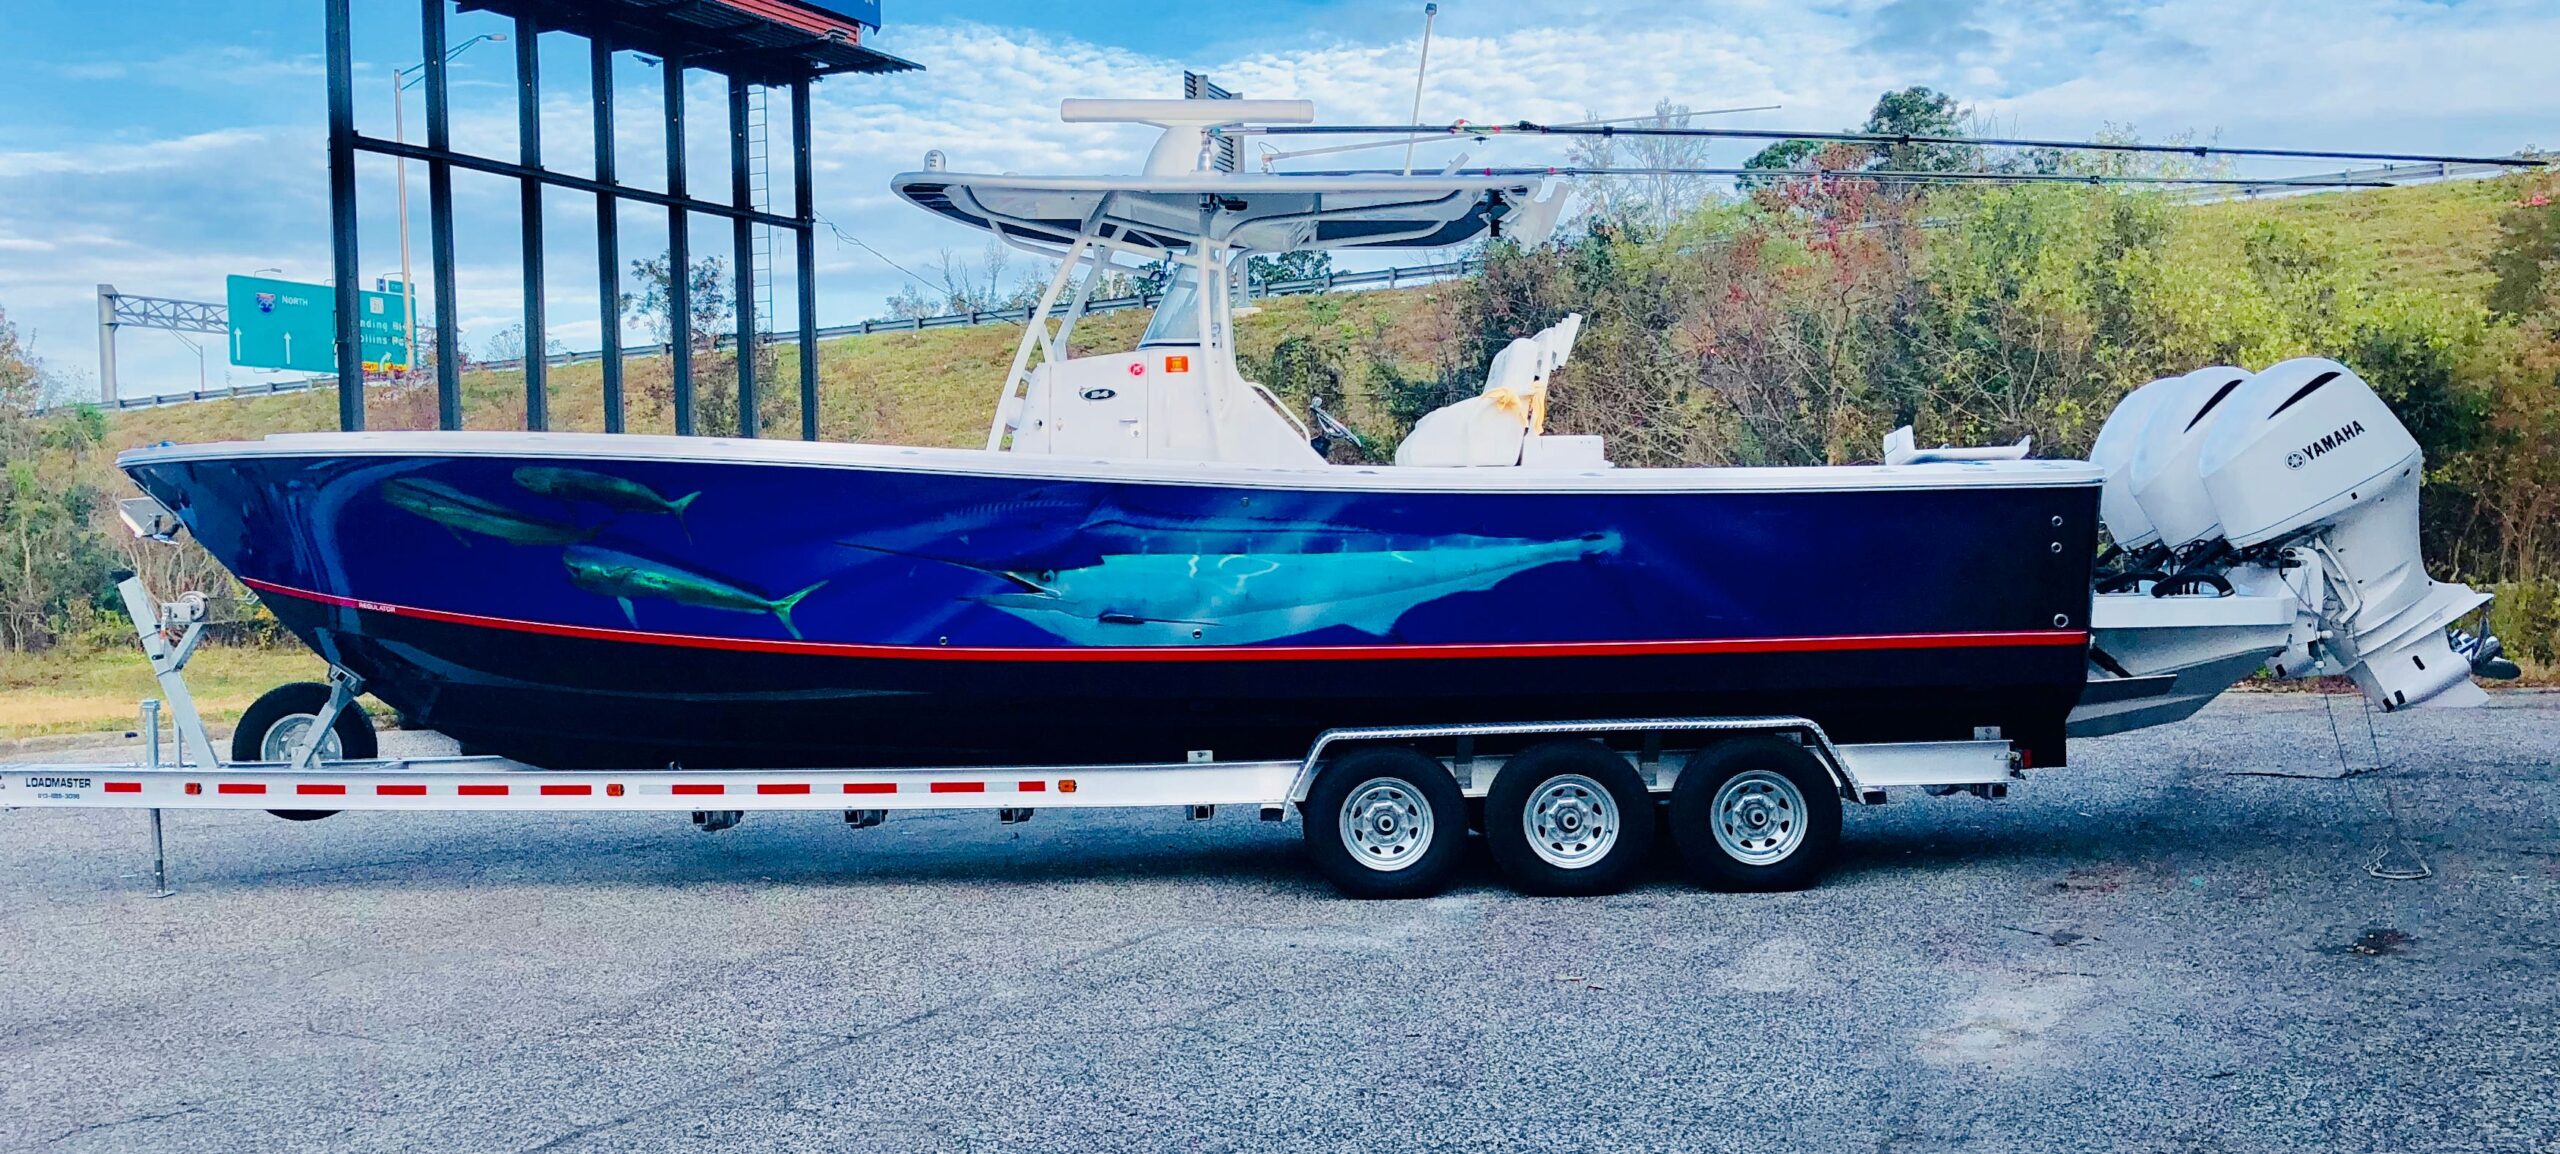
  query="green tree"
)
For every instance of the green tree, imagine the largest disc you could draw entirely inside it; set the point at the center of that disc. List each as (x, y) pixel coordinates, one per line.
(53, 559)
(1304, 264)
(708, 301)
(1913, 111)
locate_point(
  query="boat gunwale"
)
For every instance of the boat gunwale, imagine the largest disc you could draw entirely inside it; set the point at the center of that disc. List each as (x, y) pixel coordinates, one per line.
(2045, 473)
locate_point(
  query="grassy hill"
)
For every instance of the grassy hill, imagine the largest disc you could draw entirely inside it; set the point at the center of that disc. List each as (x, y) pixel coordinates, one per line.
(935, 388)
(926, 388)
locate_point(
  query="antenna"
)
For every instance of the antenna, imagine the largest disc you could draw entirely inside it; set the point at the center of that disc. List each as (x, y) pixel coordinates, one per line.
(1430, 13)
(1179, 150)
(1228, 152)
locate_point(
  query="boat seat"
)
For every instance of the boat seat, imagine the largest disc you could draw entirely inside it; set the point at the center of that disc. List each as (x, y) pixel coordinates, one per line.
(1552, 452)
(1497, 425)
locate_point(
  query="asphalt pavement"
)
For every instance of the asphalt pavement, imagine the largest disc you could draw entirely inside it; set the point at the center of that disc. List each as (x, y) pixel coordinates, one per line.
(2157, 948)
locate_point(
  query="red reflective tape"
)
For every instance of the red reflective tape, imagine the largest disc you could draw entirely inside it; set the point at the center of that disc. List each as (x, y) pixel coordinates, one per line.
(400, 791)
(481, 790)
(783, 787)
(124, 787)
(699, 790)
(1032, 787)
(871, 787)
(240, 787)
(568, 790)
(959, 787)
(320, 790)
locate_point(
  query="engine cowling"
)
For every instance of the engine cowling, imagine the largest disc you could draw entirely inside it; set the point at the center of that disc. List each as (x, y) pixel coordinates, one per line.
(2113, 452)
(2303, 442)
(2165, 480)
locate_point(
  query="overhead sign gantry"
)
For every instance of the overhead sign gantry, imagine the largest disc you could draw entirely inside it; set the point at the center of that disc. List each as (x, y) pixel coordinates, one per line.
(771, 43)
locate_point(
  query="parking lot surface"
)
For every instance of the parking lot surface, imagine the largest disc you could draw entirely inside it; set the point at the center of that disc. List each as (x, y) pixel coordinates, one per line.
(2158, 948)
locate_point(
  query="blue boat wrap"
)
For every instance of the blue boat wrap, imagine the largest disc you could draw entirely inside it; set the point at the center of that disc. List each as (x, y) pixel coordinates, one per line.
(574, 610)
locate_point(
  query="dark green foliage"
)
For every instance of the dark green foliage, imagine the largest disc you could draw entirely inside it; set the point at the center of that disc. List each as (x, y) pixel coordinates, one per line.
(2528, 253)
(1914, 111)
(1305, 264)
(52, 554)
(1801, 324)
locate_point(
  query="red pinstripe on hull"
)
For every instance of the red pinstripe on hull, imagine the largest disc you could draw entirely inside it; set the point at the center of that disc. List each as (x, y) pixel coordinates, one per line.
(1832, 644)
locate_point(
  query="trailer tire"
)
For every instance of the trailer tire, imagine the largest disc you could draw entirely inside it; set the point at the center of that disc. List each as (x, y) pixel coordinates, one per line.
(1568, 819)
(1755, 814)
(277, 719)
(1386, 822)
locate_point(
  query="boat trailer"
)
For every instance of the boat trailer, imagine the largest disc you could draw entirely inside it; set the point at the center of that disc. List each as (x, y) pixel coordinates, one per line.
(193, 775)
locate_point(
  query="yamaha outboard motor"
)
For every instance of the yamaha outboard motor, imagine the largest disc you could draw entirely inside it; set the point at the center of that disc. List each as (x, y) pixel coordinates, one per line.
(2307, 458)
(2296, 482)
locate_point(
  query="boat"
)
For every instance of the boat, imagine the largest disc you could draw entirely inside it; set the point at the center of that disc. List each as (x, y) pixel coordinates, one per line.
(1148, 562)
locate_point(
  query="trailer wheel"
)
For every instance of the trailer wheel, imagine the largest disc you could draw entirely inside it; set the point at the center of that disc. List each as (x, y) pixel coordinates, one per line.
(1755, 814)
(276, 722)
(1569, 818)
(1386, 822)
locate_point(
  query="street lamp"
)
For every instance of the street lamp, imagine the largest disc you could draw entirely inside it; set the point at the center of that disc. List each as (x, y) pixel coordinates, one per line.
(401, 82)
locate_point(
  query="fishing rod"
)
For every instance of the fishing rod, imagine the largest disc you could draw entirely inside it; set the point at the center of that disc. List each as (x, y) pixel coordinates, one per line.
(1531, 128)
(1883, 176)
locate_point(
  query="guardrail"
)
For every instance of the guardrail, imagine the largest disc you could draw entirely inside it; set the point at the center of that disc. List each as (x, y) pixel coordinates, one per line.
(1330, 282)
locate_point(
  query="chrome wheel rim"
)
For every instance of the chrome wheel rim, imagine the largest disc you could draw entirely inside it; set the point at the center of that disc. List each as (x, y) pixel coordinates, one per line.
(285, 736)
(1386, 824)
(1759, 817)
(1571, 821)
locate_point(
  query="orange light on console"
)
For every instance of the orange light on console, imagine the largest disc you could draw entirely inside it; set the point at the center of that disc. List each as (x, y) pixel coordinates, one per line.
(1177, 364)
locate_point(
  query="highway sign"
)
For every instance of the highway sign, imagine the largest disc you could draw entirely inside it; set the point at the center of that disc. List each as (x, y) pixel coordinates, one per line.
(383, 327)
(281, 324)
(277, 324)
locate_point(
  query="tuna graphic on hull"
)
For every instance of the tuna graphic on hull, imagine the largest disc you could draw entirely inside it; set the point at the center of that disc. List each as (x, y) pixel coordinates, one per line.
(624, 578)
(1246, 598)
(460, 513)
(617, 493)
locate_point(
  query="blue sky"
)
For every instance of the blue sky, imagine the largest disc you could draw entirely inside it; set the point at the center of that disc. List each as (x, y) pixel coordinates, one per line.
(162, 146)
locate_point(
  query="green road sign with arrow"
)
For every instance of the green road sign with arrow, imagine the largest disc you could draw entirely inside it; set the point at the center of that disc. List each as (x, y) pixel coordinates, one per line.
(282, 324)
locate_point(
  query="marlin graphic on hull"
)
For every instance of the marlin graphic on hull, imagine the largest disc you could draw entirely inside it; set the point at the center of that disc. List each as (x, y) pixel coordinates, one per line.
(1245, 598)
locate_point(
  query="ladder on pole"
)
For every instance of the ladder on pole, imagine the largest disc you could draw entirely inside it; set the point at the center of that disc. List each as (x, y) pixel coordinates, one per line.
(760, 196)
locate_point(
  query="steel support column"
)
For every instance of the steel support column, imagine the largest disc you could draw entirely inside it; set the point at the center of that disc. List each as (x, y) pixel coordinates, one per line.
(440, 220)
(537, 344)
(679, 256)
(342, 214)
(608, 236)
(804, 206)
(742, 243)
(107, 345)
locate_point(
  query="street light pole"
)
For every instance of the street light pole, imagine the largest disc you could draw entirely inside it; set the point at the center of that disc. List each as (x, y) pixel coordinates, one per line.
(400, 83)
(408, 296)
